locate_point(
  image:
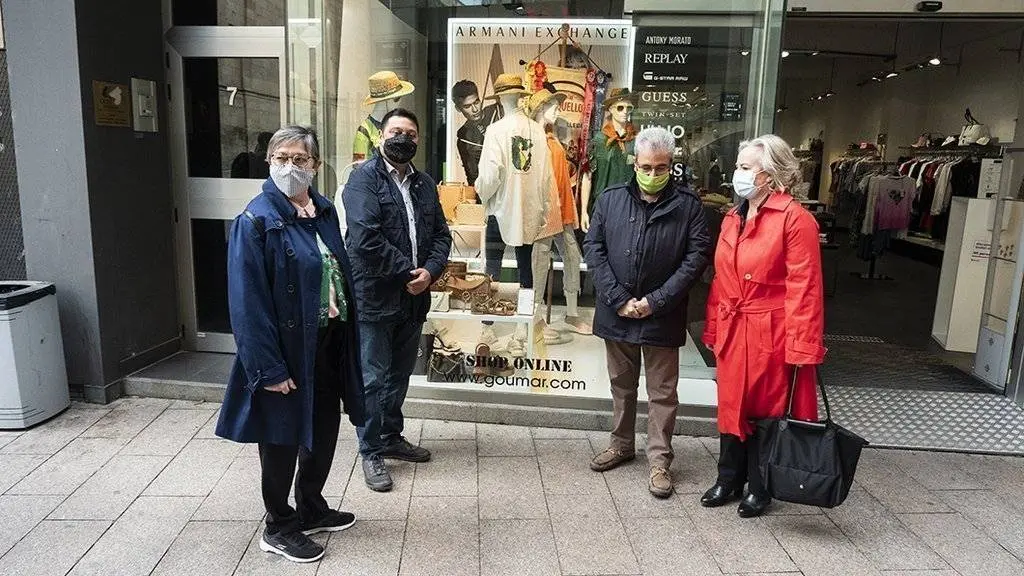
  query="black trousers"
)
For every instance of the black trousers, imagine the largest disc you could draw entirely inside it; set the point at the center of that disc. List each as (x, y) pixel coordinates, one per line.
(278, 462)
(737, 464)
(495, 250)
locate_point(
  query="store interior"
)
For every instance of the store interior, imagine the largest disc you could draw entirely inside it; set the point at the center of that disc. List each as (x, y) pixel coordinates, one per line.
(876, 107)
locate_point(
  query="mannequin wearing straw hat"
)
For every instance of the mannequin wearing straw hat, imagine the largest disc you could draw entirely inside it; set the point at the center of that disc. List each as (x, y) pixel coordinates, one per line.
(386, 91)
(611, 153)
(513, 184)
(562, 220)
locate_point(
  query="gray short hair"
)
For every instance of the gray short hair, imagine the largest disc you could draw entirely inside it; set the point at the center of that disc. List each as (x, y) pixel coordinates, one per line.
(656, 140)
(777, 160)
(290, 134)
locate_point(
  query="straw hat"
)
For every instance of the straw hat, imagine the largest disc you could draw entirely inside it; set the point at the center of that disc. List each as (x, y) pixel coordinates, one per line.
(616, 95)
(508, 84)
(541, 97)
(386, 85)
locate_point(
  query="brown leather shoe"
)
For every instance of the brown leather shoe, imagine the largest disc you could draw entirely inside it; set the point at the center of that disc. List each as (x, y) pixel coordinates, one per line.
(610, 458)
(660, 483)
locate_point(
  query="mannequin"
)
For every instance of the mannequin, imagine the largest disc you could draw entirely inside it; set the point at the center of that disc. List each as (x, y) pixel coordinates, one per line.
(386, 91)
(562, 223)
(611, 153)
(513, 183)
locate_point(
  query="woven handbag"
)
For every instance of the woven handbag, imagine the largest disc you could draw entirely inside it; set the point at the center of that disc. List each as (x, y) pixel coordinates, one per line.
(451, 194)
(468, 214)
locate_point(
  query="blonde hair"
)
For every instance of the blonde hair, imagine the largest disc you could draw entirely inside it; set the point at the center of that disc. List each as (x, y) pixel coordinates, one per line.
(777, 160)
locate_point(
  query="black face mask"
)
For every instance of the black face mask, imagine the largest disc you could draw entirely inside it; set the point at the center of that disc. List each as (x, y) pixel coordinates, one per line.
(399, 149)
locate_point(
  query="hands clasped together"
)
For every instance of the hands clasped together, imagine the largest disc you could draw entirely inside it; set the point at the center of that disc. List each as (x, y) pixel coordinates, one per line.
(635, 309)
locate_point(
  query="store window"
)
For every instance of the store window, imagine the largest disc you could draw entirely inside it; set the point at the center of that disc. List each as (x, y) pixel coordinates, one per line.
(704, 72)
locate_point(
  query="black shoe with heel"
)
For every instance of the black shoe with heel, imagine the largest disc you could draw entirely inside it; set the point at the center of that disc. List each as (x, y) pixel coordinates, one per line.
(720, 495)
(753, 505)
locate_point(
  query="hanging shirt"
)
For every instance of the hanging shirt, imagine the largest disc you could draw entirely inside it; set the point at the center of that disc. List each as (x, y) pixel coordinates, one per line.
(332, 287)
(367, 139)
(893, 203)
(404, 186)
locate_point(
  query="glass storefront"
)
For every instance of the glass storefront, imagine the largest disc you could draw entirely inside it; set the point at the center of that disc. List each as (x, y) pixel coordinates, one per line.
(706, 73)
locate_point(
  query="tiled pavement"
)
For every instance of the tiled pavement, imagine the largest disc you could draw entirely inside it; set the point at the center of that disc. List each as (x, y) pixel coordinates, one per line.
(142, 486)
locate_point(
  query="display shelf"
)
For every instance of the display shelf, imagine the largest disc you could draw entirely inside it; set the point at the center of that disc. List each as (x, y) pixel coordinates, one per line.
(510, 263)
(467, 315)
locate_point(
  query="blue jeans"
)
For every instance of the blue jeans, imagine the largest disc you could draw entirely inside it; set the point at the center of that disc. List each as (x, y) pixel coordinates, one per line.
(388, 351)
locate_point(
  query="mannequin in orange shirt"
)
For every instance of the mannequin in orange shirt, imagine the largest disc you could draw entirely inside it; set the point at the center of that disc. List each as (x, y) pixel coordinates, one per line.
(562, 219)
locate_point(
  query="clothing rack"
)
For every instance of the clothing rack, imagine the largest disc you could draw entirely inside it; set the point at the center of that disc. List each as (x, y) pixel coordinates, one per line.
(976, 151)
(872, 263)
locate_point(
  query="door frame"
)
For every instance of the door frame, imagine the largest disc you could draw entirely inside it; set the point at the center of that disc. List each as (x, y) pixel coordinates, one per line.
(214, 198)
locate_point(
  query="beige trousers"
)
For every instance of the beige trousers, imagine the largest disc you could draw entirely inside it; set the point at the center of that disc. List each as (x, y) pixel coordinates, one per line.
(662, 369)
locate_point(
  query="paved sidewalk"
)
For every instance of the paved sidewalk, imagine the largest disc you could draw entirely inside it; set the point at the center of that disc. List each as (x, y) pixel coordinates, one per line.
(142, 486)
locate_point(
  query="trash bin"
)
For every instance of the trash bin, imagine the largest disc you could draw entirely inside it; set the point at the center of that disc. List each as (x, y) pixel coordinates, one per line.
(33, 376)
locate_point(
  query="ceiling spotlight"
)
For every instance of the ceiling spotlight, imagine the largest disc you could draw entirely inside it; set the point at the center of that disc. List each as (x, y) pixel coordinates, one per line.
(935, 61)
(829, 94)
(876, 78)
(745, 52)
(785, 53)
(892, 74)
(815, 53)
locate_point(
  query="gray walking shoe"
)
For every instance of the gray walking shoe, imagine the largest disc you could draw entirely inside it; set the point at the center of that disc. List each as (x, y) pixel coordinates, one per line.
(376, 474)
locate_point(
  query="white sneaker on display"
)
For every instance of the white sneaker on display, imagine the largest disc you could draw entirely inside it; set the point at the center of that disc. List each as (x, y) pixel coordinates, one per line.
(487, 336)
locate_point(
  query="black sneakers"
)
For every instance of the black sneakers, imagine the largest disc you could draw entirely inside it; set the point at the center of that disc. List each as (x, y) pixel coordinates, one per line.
(294, 546)
(376, 474)
(333, 521)
(403, 450)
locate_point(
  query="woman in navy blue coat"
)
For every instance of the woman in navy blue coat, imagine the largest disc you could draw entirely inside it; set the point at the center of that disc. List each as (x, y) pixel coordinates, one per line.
(293, 319)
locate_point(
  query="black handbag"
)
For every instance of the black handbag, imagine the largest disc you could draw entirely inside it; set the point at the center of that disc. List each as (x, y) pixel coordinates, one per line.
(423, 352)
(809, 463)
(446, 366)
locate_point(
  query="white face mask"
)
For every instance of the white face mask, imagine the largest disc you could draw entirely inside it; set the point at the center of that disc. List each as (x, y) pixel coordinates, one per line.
(743, 183)
(291, 180)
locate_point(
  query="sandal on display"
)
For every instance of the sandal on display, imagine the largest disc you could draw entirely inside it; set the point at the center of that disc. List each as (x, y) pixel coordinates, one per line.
(493, 306)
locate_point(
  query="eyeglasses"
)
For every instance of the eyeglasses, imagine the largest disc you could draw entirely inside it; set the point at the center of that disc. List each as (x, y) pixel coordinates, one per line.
(649, 170)
(298, 160)
(623, 108)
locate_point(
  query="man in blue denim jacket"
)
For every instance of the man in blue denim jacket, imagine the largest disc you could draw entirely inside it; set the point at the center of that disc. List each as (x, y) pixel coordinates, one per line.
(399, 243)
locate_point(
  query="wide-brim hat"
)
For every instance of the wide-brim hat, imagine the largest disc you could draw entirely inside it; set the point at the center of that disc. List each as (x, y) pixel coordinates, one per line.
(507, 84)
(616, 95)
(386, 85)
(542, 97)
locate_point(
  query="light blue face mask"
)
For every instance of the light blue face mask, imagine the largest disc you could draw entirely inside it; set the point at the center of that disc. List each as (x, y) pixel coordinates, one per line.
(743, 183)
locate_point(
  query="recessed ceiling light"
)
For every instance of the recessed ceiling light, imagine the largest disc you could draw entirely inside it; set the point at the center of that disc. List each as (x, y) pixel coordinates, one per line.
(892, 74)
(745, 52)
(935, 61)
(785, 53)
(815, 53)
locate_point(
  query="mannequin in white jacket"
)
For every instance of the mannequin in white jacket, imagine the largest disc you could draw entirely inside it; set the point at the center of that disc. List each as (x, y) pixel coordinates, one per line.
(515, 177)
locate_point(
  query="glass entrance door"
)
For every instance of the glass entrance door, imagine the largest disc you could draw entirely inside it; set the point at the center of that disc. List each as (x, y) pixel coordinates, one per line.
(225, 90)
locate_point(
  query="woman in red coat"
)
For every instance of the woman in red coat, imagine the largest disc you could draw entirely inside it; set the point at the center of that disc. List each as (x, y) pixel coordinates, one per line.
(765, 315)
